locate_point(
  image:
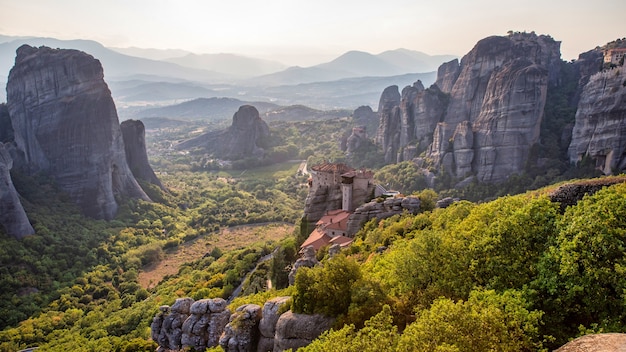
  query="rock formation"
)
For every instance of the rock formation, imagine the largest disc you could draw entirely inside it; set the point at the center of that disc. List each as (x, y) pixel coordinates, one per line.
(308, 260)
(12, 215)
(186, 323)
(241, 334)
(242, 139)
(600, 128)
(482, 116)
(298, 330)
(381, 210)
(571, 193)
(608, 342)
(203, 328)
(65, 125)
(134, 134)
(196, 326)
(267, 326)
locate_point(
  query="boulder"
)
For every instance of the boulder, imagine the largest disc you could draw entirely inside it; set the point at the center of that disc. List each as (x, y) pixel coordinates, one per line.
(298, 330)
(267, 325)
(610, 342)
(308, 260)
(241, 334)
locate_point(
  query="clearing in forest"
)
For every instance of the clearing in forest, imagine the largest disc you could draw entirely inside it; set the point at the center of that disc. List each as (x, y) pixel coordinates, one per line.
(228, 239)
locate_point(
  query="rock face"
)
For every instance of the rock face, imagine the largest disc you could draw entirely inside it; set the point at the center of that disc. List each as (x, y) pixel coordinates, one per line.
(571, 193)
(308, 260)
(482, 115)
(599, 131)
(242, 139)
(267, 325)
(134, 134)
(65, 125)
(381, 210)
(298, 330)
(611, 342)
(196, 326)
(242, 332)
(186, 323)
(12, 215)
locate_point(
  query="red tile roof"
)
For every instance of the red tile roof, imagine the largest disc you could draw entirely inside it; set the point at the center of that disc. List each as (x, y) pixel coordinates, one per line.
(331, 167)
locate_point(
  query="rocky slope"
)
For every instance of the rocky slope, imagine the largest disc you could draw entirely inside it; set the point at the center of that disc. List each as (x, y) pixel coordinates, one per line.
(600, 128)
(489, 114)
(134, 135)
(66, 126)
(240, 140)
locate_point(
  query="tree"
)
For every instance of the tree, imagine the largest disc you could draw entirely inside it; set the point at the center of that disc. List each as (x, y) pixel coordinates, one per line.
(488, 321)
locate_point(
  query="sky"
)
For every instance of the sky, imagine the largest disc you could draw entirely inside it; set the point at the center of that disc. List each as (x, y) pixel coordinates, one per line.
(308, 32)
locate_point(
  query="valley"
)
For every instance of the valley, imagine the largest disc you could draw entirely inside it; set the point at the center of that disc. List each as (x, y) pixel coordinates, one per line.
(500, 224)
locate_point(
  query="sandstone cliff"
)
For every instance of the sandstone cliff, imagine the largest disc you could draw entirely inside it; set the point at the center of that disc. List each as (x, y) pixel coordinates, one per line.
(12, 215)
(242, 139)
(600, 127)
(482, 115)
(65, 125)
(134, 134)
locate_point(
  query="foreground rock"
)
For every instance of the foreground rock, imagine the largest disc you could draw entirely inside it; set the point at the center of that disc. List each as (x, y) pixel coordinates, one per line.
(206, 323)
(298, 330)
(596, 343)
(65, 125)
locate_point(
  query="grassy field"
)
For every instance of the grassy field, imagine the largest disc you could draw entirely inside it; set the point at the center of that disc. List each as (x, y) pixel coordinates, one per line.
(227, 239)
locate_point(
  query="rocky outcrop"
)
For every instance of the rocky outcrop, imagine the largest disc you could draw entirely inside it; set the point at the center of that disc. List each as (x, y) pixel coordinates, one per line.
(12, 215)
(65, 125)
(186, 323)
(388, 135)
(482, 116)
(365, 116)
(298, 330)
(608, 342)
(600, 128)
(241, 334)
(267, 326)
(167, 326)
(205, 324)
(570, 194)
(381, 210)
(242, 139)
(134, 135)
(196, 326)
(308, 260)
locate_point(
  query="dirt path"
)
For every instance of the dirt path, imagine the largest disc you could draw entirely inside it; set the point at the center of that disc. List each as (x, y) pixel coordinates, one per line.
(228, 239)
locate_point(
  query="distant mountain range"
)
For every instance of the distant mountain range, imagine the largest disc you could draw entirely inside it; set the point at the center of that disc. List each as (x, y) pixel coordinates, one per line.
(141, 77)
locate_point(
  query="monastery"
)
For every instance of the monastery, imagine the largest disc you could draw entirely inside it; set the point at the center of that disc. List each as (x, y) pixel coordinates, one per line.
(357, 187)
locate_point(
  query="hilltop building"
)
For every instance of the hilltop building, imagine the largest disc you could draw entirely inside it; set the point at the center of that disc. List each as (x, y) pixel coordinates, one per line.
(335, 190)
(614, 55)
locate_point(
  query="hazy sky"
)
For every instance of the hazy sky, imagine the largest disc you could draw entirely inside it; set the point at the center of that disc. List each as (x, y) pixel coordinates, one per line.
(306, 32)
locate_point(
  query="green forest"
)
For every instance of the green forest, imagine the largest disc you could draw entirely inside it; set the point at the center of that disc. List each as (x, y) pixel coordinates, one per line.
(503, 269)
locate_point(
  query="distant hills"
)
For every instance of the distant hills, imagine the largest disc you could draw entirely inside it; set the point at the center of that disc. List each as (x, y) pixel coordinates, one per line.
(141, 77)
